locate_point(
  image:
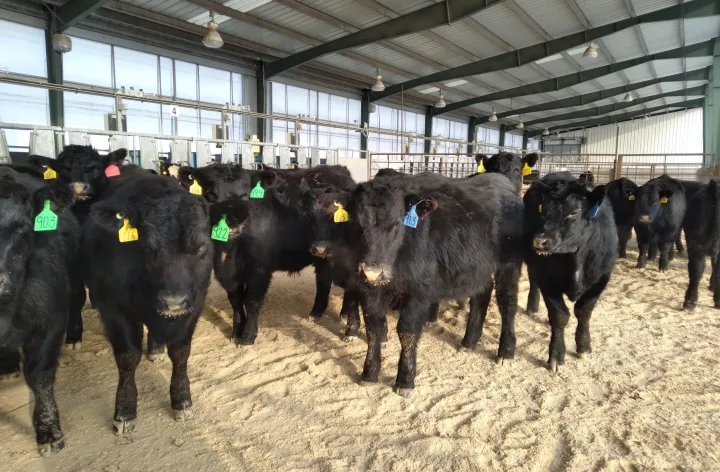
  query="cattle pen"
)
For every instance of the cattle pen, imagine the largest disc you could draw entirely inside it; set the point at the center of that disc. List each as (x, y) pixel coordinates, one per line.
(359, 235)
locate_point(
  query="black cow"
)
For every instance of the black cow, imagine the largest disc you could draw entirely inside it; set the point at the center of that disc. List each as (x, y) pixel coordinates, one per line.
(37, 258)
(510, 165)
(587, 178)
(691, 188)
(659, 213)
(702, 232)
(621, 193)
(428, 238)
(273, 234)
(157, 277)
(571, 244)
(168, 168)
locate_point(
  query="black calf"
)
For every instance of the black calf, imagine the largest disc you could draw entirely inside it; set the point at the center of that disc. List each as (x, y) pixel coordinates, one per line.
(621, 193)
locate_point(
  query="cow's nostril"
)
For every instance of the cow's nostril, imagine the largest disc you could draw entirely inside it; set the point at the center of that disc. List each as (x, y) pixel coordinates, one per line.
(320, 250)
(540, 243)
(175, 302)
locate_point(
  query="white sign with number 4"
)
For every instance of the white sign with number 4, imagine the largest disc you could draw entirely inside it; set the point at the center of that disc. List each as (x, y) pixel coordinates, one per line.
(174, 111)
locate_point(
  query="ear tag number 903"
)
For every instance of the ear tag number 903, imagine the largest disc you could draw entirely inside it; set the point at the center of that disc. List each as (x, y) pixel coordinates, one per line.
(46, 220)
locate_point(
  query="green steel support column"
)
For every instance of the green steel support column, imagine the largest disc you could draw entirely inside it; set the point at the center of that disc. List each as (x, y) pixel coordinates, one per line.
(526, 135)
(364, 118)
(502, 136)
(428, 127)
(711, 116)
(471, 134)
(261, 95)
(55, 76)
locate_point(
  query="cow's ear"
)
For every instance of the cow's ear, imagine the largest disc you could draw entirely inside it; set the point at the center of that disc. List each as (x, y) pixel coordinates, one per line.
(595, 199)
(665, 193)
(60, 196)
(235, 210)
(116, 157)
(479, 158)
(268, 178)
(530, 159)
(110, 215)
(424, 205)
(330, 201)
(42, 162)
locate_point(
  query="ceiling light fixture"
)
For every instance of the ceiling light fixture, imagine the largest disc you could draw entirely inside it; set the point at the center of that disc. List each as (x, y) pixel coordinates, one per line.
(212, 38)
(646, 117)
(378, 86)
(628, 97)
(493, 116)
(520, 125)
(441, 101)
(591, 50)
(546, 132)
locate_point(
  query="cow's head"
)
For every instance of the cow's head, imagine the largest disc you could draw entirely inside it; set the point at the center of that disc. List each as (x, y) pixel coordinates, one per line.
(559, 211)
(219, 182)
(235, 211)
(508, 164)
(649, 199)
(326, 208)
(174, 239)
(19, 206)
(85, 169)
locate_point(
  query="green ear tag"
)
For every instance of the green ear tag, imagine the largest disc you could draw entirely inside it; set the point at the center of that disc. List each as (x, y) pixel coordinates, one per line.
(258, 191)
(46, 220)
(221, 230)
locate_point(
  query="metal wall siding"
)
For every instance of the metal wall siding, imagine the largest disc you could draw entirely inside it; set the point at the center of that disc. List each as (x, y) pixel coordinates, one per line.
(501, 20)
(623, 45)
(602, 12)
(553, 16)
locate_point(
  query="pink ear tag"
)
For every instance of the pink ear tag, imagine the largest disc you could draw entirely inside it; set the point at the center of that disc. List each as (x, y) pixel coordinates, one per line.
(112, 171)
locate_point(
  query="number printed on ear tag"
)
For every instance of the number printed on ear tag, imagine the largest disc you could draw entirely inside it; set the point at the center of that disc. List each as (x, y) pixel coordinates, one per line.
(49, 174)
(411, 217)
(195, 188)
(112, 171)
(221, 231)
(127, 233)
(340, 215)
(664, 200)
(46, 220)
(526, 170)
(258, 191)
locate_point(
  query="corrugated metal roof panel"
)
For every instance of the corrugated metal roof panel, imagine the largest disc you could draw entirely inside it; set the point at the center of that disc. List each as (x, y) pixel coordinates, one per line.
(261, 36)
(351, 65)
(553, 16)
(404, 7)
(297, 21)
(559, 67)
(419, 44)
(602, 12)
(173, 8)
(500, 20)
(465, 36)
(623, 45)
(354, 13)
(661, 35)
(526, 74)
(612, 80)
(702, 29)
(668, 66)
(646, 6)
(585, 87)
(698, 62)
(639, 73)
(387, 56)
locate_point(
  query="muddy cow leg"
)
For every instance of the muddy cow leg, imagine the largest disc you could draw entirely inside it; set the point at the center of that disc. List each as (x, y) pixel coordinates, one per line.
(73, 337)
(323, 283)
(374, 312)
(696, 269)
(714, 263)
(126, 339)
(154, 348)
(41, 359)
(624, 234)
(9, 361)
(180, 398)
(433, 313)
(583, 311)
(665, 245)
(653, 249)
(352, 312)
(559, 315)
(255, 291)
(507, 278)
(409, 328)
(237, 301)
(476, 319)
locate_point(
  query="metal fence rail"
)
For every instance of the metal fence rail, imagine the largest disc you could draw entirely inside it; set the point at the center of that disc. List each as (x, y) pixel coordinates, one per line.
(642, 167)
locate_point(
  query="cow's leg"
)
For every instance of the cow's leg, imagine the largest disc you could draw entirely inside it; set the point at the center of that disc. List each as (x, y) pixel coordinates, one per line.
(9, 361)
(78, 296)
(678, 242)
(507, 278)
(352, 312)
(374, 312)
(559, 315)
(476, 318)
(41, 353)
(624, 234)
(665, 244)
(126, 339)
(412, 317)
(237, 301)
(256, 289)
(533, 302)
(716, 279)
(714, 263)
(653, 249)
(433, 313)
(323, 283)
(696, 269)
(643, 246)
(180, 398)
(583, 311)
(155, 350)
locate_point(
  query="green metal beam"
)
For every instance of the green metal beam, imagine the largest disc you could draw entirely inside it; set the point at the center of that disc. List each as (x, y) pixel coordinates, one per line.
(55, 76)
(607, 120)
(433, 16)
(472, 133)
(428, 130)
(533, 53)
(526, 136)
(603, 110)
(261, 91)
(503, 129)
(559, 83)
(75, 11)
(580, 100)
(364, 118)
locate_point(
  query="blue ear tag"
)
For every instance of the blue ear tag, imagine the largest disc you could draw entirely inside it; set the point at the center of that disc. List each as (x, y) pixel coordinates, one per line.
(594, 210)
(411, 217)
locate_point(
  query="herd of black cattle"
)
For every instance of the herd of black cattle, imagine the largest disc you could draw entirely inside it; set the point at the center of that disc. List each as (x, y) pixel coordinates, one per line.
(145, 245)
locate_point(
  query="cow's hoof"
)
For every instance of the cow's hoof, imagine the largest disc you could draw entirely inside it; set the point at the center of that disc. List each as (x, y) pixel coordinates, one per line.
(582, 355)
(465, 348)
(244, 341)
(348, 338)
(404, 392)
(122, 426)
(74, 346)
(689, 306)
(155, 357)
(383, 344)
(314, 316)
(553, 365)
(55, 446)
(502, 361)
(717, 304)
(431, 324)
(183, 415)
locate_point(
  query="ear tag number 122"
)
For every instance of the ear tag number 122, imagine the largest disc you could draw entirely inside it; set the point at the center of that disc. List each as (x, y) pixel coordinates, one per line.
(411, 217)
(46, 220)
(221, 230)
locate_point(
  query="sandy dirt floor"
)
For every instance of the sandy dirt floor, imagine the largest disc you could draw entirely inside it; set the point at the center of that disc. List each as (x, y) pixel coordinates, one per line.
(647, 399)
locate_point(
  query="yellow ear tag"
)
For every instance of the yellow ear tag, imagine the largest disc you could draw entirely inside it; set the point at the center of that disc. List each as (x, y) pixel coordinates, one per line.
(526, 170)
(127, 233)
(340, 215)
(631, 197)
(481, 168)
(195, 188)
(164, 172)
(663, 200)
(49, 174)
(540, 208)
